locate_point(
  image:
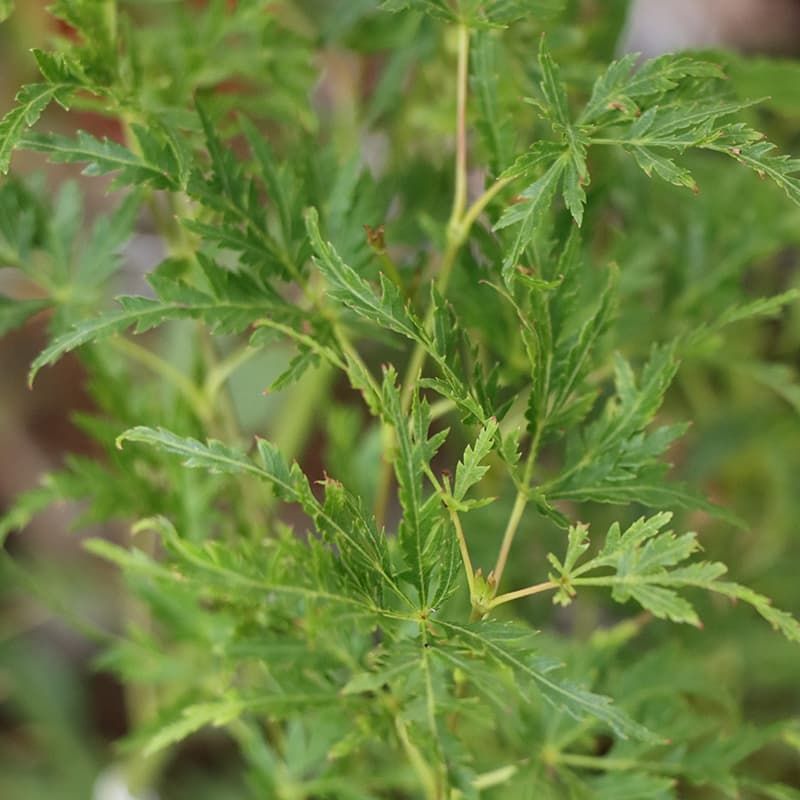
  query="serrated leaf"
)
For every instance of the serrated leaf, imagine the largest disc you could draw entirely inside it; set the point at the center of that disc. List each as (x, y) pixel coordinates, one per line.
(470, 470)
(573, 138)
(576, 701)
(651, 162)
(503, 12)
(623, 83)
(388, 310)
(31, 101)
(478, 12)
(751, 149)
(339, 516)
(762, 307)
(227, 175)
(615, 456)
(424, 528)
(144, 313)
(271, 173)
(572, 356)
(214, 456)
(577, 545)
(649, 567)
(103, 156)
(535, 202)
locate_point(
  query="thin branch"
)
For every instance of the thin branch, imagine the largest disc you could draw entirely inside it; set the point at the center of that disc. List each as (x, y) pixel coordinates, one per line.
(462, 546)
(546, 586)
(460, 194)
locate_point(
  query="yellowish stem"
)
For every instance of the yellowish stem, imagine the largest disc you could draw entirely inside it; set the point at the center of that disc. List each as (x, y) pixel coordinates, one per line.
(526, 592)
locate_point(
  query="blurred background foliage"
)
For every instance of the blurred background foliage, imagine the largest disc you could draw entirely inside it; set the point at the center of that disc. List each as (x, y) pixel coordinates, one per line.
(682, 259)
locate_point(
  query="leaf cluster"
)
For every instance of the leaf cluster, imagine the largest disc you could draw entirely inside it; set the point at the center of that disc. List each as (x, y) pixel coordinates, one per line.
(445, 392)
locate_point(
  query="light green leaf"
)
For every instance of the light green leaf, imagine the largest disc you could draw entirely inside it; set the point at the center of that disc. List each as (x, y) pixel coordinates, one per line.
(576, 701)
(648, 567)
(31, 102)
(213, 456)
(615, 456)
(555, 96)
(623, 83)
(750, 148)
(364, 555)
(424, 533)
(348, 287)
(102, 156)
(535, 202)
(144, 313)
(632, 786)
(470, 470)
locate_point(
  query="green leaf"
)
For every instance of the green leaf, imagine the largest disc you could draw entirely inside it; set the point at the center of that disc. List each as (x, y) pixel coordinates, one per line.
(750, 148)
(632, 786)
(648, 567)
(623, 83)
(229, 709)
(195, 717)
(479, 12)
(141, 312)
(555, 104)
(340, 517)
(503, 12)
(768, 307)
(214, 456)
(31, 102)
(227, 178)
(59, 67)
(614, 459)
(274, 180)
(572, 358)
(6, 9)
(535, 202)
(144, 313)
(439, 9)
(649, 488)
(101, 253)
(102, 156)
(470, 470)
(781, 621)
(360, 545)
(666, 169)
(556, 108)
(577, 545)
(503, 644)
(387, 310)
(425, 536)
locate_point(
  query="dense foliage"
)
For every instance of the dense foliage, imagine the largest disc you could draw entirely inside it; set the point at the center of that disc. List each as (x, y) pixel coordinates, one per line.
(457, 244)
